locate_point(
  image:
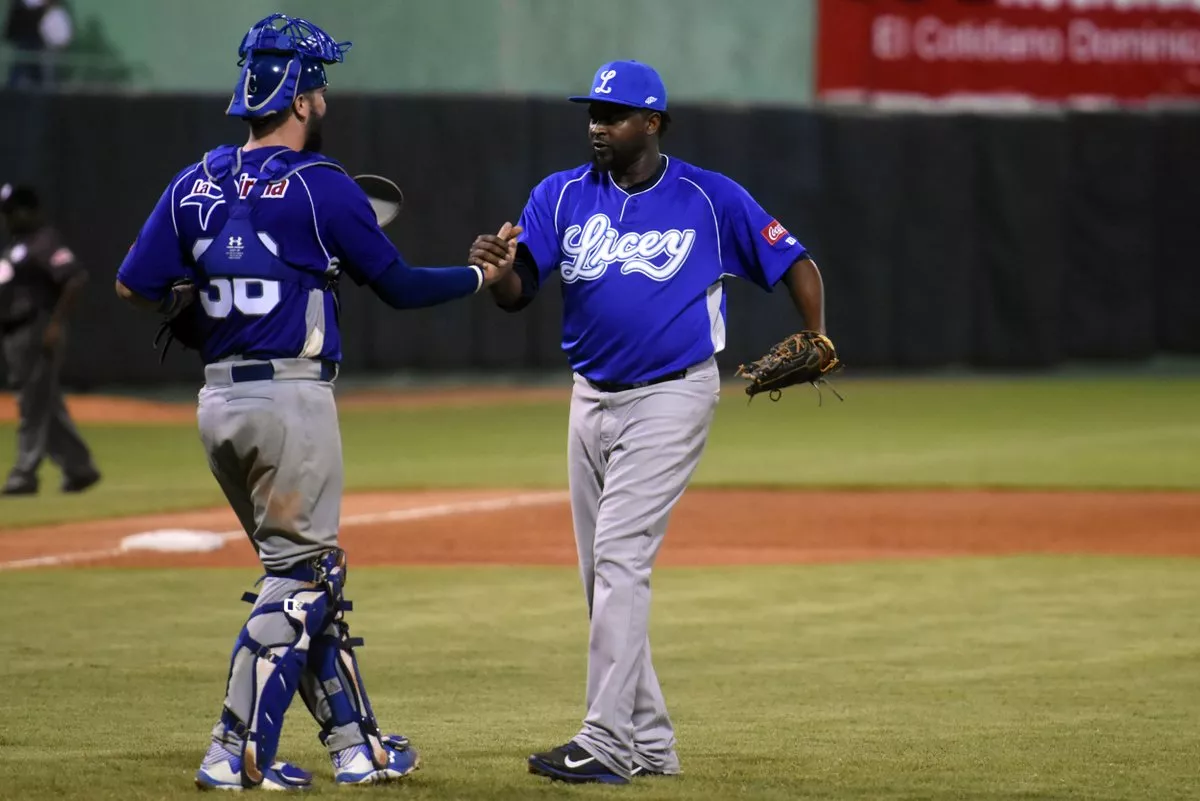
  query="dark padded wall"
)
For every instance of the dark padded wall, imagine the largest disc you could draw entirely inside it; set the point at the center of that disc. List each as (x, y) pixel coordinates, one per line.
(989, 241)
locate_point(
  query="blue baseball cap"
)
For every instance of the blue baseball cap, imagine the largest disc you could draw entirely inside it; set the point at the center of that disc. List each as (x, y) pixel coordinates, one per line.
(627, 83)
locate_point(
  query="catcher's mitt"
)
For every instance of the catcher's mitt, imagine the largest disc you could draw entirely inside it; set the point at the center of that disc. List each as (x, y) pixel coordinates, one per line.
(181, 320)
(804, 358)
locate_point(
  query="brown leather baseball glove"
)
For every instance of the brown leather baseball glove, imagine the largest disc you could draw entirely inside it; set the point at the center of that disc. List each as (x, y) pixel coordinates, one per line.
(803, 358)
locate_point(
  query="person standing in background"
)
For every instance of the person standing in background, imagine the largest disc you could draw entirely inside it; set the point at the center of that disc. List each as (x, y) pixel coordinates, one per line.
(37, 30)
(40, 281)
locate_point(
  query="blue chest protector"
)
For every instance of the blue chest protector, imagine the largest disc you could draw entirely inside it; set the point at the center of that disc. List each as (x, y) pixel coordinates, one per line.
(248, 287)
(243, 249)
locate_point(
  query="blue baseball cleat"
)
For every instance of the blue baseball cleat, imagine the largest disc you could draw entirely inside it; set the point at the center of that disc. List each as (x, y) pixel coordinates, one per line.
(222, 770)
(354, 765)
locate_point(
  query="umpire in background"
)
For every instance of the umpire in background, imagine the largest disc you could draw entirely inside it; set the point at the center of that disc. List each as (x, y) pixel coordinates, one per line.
(40, 281)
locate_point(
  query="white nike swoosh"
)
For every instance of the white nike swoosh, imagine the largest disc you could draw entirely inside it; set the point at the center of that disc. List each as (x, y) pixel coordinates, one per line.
(567, 761)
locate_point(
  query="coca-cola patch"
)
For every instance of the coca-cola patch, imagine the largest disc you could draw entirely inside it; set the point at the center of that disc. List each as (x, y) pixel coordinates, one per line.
(774, 232)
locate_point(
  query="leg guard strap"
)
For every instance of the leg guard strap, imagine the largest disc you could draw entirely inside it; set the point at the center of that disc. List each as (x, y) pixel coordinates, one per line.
(232, 724)
(258, 649)
(251, 597)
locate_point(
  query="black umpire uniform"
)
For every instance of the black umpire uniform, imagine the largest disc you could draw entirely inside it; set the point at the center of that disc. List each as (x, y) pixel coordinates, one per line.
(39, 280)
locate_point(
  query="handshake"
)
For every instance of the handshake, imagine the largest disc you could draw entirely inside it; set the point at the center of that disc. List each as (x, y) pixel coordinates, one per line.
(494, 254)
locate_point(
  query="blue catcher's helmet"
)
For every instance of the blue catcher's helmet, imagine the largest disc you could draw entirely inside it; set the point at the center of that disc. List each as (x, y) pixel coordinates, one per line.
(281, 57)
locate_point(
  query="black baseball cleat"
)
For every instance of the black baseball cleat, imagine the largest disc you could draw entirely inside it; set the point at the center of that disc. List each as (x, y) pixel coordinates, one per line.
(80, 483)
(18, 488)
(571, 763)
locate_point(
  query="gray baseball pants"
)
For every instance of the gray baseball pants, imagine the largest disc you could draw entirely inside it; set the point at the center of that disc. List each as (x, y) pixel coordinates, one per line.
(631, 455)
(276, 451)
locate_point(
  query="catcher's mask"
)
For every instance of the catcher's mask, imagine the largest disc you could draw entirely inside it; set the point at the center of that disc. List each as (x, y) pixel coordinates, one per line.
(281, 58)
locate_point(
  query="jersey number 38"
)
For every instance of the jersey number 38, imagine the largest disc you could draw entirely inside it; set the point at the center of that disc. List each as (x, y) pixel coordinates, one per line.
(252, 297)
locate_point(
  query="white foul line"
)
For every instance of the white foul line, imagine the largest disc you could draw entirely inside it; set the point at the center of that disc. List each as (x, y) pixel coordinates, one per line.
(395, 516)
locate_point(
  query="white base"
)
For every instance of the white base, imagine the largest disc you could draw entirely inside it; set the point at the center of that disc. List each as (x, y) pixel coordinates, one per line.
(173, 540)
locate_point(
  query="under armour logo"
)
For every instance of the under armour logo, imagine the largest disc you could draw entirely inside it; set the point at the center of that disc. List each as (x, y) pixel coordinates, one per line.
(235, 249)
(650, 99)
(605, 77)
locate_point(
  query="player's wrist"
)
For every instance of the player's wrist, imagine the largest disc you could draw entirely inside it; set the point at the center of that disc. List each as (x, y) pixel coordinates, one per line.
(169, 302)
(480, 277)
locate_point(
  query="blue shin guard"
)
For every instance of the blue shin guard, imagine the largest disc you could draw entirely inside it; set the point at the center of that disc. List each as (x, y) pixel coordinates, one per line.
(335, 693)
(332, 687)
(266, 667)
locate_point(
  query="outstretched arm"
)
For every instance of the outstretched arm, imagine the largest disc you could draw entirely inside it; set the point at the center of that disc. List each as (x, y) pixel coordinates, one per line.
(404, 287)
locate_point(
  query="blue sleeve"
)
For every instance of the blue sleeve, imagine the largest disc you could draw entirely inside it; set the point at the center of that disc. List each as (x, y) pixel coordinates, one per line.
(754, 245)
(347, 225)
(540, 229)
(404, 287)
(156, 259)
(350, 231)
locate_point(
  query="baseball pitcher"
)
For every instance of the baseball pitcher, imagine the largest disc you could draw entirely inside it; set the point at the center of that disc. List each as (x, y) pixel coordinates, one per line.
(242, 256)
(642, 243)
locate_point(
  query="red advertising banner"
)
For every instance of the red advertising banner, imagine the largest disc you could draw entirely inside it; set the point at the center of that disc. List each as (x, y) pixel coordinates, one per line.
(1043, 50)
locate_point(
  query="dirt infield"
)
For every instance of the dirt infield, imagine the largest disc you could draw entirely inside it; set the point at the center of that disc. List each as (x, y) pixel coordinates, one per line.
(709, 527)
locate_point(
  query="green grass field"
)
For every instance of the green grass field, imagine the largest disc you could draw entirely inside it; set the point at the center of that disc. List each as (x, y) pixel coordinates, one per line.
(1031, 678)
(1063, 433)
(986, 678)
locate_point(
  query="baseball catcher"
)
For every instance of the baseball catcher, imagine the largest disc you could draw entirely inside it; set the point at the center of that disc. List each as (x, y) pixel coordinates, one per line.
(241, 257)
(803, 358)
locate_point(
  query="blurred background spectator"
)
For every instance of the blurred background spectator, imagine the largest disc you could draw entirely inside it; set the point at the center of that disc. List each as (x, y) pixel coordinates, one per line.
(38, 31)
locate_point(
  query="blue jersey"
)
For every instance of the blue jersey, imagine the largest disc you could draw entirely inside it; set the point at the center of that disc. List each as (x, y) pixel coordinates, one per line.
(643, 272)
(265, 234)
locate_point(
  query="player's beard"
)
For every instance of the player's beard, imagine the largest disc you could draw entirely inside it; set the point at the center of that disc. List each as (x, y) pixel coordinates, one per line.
(603, 159)
(313, 137)
(614, 159)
